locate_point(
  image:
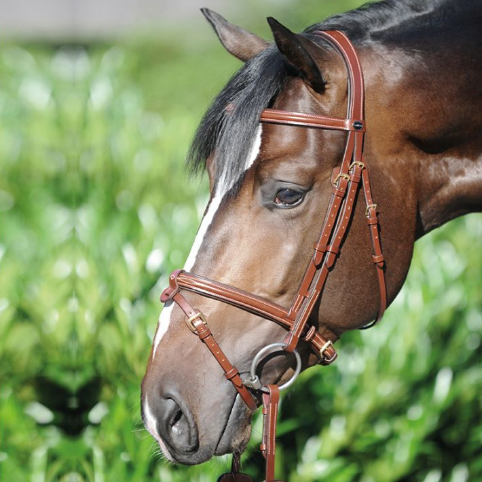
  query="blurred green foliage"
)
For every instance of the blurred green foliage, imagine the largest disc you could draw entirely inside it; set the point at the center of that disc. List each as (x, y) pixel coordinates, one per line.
(96, 211)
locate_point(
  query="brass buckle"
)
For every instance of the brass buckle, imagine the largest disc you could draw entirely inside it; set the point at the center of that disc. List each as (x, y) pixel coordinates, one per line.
(370, 206)
(360, 164)
(343, 175)
(324, 348)
(195, 316)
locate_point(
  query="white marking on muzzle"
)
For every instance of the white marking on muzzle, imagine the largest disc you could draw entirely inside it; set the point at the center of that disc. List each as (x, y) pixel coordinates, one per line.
(165, 318)
(151, 426)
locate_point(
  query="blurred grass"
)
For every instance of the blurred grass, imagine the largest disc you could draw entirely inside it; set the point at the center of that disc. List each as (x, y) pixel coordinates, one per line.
(96, 211)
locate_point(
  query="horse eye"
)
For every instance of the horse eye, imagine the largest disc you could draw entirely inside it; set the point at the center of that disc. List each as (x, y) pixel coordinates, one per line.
(288, 197)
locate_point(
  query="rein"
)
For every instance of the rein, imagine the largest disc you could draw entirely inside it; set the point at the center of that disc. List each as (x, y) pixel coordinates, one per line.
(346, 181)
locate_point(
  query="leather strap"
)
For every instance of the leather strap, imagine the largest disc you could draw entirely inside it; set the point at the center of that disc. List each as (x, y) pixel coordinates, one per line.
(198, 325)
(356, 88)
(182, 280)
(310, 120)
(336, 222)
(270, 418)
(378, 258)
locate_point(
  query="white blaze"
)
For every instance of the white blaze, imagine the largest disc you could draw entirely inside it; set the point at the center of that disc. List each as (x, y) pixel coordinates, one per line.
(205, 223)
(165, 318)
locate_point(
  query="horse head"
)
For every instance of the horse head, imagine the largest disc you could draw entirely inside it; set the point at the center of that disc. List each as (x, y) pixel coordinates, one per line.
(271, 185)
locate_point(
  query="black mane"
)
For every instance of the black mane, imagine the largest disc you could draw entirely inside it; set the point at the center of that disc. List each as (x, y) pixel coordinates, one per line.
(229, 126)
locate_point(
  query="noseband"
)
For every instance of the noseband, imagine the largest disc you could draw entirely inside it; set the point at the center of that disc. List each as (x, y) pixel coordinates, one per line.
(346, 181)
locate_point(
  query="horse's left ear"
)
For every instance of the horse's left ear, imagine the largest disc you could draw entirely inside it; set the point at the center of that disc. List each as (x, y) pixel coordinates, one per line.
(237, 41)
(298, 52)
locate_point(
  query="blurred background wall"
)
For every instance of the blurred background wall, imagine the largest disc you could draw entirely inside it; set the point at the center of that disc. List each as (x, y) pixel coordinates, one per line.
(98, 103)
(93, 20)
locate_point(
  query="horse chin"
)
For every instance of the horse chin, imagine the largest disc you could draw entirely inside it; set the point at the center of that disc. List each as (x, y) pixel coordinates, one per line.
(237, 431)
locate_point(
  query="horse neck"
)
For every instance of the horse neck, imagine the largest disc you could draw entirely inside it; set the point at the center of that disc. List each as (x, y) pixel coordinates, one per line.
(424, 118)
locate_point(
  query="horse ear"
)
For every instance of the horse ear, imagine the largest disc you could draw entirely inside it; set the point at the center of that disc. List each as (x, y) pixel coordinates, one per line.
(237, 41)
(298, 51)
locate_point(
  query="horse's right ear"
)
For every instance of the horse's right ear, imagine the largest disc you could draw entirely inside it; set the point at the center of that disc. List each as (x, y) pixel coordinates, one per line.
(237, 41)
(298, 52)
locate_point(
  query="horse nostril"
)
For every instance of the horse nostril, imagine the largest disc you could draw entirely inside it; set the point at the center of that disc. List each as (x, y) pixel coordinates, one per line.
(177, 427)
(176, 419)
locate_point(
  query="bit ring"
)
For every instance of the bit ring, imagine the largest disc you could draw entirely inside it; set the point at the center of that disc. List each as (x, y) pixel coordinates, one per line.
(254, 382)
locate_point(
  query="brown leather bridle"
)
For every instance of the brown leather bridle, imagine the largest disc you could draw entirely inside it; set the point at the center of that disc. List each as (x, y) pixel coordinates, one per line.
(346, 181)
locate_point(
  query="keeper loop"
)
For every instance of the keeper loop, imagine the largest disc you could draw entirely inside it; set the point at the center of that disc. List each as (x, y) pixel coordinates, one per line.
(332, 249)
(232, 373)
(378, 258)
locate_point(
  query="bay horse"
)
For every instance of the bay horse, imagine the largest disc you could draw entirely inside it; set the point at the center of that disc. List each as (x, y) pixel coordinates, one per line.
(272, 183)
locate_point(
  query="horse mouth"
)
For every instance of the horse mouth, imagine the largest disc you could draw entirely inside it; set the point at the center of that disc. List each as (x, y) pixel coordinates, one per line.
(237, 430)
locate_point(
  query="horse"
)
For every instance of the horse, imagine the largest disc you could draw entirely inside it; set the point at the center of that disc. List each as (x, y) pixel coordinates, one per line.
(271, 184)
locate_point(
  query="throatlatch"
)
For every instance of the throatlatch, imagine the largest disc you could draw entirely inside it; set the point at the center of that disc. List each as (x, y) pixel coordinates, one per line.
(346, 181)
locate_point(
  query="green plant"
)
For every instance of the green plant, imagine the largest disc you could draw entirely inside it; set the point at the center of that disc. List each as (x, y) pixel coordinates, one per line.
(96, 211)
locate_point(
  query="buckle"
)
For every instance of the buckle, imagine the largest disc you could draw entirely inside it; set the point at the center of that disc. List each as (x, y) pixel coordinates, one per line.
(370, 206)
(324, 348)
(195, 316)
(360, 164)
(343, 175)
